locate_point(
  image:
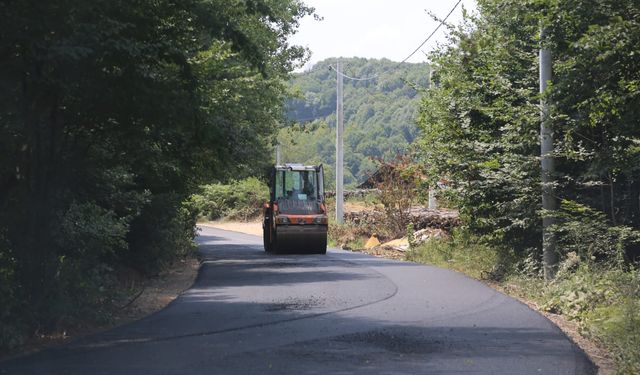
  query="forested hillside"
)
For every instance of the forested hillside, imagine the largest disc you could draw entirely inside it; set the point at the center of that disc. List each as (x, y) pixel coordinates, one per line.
(379, 114)
(112, 113)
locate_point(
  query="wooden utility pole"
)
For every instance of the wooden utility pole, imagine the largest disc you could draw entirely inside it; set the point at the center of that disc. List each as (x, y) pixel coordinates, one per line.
(339, 147)
(549, 204)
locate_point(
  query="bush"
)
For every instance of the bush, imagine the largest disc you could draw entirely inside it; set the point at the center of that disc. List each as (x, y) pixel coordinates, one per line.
(13, 331)
(347, 236)
(162, 233)
(397, 183)
(239, 200)
(466, 253)
(586, 232)
(616, 322)
(89, 239)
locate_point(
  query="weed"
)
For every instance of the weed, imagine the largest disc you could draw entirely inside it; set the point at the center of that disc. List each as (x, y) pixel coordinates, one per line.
(347, 236)
(603, 300)
(462, 253)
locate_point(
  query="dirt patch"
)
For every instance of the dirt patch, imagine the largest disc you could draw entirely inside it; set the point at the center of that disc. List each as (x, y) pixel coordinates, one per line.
(153, 295)
(158, 292)
(358, 207)
(251, 227)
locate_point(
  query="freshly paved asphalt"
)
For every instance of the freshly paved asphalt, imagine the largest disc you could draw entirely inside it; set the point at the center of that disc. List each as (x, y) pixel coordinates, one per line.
(340, 313)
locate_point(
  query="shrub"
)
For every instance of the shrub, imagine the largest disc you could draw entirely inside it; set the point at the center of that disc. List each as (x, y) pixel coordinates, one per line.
(239, 200)
(162, 233)
(587, 232)
(12, 329)
(617, 322)
(348, 235)
(89, 239)
(464, 252)
(398, 185)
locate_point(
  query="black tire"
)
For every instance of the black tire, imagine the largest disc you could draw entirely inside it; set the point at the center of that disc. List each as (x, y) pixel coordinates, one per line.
(322, 247)
(274, 242)
(266, 240)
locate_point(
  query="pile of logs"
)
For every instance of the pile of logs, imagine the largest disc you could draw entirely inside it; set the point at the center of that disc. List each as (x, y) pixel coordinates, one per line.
(421, 218)
(358, 193)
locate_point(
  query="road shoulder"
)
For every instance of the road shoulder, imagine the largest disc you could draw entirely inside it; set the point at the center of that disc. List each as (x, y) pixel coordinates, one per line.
(151, 296)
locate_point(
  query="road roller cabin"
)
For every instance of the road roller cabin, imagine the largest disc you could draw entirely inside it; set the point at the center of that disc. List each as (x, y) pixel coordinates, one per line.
(295, 218)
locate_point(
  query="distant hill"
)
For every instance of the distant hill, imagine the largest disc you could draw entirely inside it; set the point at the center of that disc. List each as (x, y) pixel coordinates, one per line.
(379, 114)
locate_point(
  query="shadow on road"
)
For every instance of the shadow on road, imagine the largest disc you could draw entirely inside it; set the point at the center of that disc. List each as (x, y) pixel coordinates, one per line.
(251, 312)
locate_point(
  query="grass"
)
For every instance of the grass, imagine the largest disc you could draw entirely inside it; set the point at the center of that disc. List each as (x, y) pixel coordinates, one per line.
(604, 301)
(462, 253)
(347, 236)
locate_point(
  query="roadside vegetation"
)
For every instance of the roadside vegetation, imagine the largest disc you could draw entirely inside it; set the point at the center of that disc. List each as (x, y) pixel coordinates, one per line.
(112, 114)
(480, 126)
(237, 200)
(123, 123)
(480, 130)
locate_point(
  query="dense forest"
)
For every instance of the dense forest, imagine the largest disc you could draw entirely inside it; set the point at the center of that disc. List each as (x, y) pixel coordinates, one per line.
(379, 114)
(112, 113)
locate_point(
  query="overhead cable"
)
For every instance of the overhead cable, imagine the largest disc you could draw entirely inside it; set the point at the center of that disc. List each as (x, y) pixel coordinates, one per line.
(406, 58)
(433, 33)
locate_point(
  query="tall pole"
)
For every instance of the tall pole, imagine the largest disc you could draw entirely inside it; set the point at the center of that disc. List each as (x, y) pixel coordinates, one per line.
(339, 148)
(278, 154)
(549, 204)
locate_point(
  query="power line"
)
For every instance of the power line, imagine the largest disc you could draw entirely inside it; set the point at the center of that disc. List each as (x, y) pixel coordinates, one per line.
(406, 58)
(354, 78)
(433, 33)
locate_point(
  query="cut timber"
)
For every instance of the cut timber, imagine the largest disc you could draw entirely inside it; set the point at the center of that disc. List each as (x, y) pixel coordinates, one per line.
(372, 242)
(421, 218)
(401, 244)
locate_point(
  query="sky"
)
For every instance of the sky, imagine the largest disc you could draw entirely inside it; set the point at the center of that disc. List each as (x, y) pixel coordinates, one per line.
(389, 29)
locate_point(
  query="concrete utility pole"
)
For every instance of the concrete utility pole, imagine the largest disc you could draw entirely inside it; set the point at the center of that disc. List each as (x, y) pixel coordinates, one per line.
(549, 204)
(339, 150)
(278, 154)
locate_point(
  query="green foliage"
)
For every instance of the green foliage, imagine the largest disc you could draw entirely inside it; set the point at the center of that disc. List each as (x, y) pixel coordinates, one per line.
(463, 252)
(596, 104)
(112, 113)
(617, 321)
(12, 333)
(91, 233)
(480, 125)
(241, 199)
(603, 300)
(379, 115)
(347, 236)
(162, 233)
(397, 185)
(586, 232)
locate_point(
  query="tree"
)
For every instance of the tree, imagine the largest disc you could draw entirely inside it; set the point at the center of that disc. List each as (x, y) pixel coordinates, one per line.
(112, 113)
(480, 126)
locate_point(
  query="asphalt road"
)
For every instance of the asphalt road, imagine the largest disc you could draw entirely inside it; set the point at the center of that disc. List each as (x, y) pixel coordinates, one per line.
(340, 313)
